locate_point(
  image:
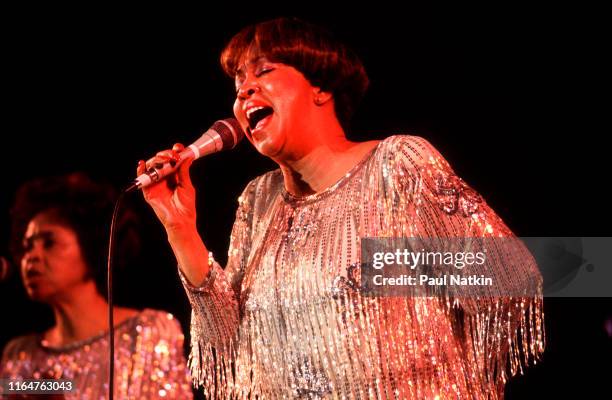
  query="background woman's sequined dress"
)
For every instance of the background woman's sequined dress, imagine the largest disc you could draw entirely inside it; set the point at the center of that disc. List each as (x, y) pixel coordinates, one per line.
(285, 319)
(149, 361)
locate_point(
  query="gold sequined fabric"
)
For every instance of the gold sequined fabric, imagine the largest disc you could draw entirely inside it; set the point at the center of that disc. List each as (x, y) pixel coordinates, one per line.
(149, 361)
(285, 319)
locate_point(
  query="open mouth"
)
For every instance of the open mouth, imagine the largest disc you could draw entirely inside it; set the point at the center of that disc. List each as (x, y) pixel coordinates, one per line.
(257, 115)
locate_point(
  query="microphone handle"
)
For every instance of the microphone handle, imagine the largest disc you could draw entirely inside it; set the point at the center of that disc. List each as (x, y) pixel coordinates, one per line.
(158, 172)
(210, 142)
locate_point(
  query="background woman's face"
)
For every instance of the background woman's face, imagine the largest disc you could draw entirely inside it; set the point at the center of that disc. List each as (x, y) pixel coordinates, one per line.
(273, 100)
(52, 264)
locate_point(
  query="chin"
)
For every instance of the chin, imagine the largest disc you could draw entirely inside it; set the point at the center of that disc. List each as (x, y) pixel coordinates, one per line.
(266, 149)
(39, 294)
(39, 297)
(268, 146)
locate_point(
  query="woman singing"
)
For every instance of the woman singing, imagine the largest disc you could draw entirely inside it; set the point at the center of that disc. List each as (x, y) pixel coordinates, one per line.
(286, 318)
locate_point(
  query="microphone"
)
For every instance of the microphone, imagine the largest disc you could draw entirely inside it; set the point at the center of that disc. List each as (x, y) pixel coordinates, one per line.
(224, 134)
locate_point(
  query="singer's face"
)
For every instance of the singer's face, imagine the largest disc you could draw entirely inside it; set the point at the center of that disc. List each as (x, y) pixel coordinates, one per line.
(274, 104)
(52, 264)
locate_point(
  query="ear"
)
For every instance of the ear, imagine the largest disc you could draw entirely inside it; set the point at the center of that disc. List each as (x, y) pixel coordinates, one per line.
(321, 97)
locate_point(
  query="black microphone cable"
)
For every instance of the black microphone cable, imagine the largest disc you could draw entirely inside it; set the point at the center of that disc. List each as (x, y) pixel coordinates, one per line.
(109, 289)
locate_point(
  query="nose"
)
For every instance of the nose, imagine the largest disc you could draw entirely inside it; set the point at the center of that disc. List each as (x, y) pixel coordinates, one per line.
(248, 89)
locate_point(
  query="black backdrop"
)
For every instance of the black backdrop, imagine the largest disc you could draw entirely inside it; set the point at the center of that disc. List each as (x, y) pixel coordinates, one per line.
(501, 92)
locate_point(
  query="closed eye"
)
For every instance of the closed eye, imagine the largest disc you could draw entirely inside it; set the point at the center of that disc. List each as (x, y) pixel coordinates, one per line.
(263, 72)
(240, 76)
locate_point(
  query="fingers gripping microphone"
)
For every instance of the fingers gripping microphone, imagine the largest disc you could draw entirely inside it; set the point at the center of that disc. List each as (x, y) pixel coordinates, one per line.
(224, 134)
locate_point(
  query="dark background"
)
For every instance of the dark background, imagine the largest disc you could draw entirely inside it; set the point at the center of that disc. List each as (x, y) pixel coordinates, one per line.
(504, 94)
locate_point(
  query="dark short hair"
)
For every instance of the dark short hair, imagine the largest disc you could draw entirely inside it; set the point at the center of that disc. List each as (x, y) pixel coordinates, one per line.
(324, 61)
(83, 205)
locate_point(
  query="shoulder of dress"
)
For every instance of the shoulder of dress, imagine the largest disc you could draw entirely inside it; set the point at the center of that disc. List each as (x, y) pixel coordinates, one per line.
(405, 155)
(262, 187)
(161, 322)
(414, 147)
(20, 343)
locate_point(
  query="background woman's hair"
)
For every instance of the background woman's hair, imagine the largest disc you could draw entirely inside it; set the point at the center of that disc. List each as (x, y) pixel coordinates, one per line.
(83, 205)
(326, 62)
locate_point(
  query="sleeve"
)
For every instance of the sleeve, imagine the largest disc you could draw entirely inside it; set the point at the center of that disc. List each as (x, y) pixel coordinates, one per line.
(9, 355)
(215, 306)
(429, 200)
(159, 356)
(16, 357)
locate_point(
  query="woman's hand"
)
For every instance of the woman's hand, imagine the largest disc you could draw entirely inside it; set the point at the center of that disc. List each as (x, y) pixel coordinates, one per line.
(173, 198)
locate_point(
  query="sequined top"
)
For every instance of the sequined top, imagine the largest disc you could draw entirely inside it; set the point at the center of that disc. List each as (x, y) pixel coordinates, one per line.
(285, 319)
(149, 361)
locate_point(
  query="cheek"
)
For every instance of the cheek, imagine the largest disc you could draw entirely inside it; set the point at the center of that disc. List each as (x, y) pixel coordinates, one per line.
(239, 114)
(69, 265)
(294, 101)
(236, 109)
